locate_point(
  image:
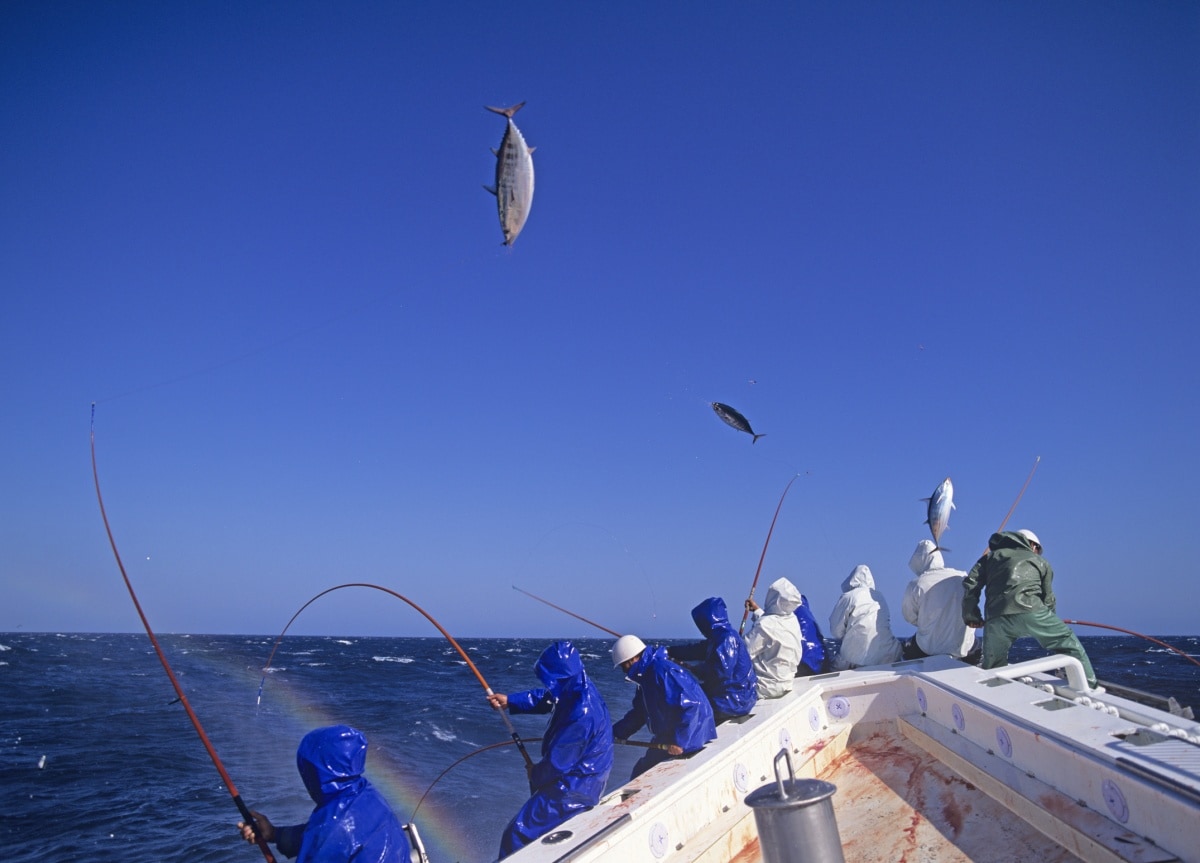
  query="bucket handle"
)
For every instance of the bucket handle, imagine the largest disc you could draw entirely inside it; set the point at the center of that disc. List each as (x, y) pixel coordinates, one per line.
(783, 753)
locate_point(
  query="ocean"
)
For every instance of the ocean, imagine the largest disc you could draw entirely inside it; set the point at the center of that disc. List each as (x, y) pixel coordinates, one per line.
(100, 763)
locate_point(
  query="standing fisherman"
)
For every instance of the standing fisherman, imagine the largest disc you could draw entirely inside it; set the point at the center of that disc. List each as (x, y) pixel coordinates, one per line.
(577, 748)
(1020, 601)
(721, 660)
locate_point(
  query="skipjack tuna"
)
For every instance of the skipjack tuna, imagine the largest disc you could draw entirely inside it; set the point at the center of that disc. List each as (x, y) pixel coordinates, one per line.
(514, 177)
(937, 515)
(735, 419)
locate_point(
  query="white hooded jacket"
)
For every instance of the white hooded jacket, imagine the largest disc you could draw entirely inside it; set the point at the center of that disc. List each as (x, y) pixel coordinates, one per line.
(933, 604)
(774, 640)
(861, 620)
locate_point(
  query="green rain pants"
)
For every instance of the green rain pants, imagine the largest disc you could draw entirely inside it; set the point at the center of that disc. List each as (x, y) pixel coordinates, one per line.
(1043, 625)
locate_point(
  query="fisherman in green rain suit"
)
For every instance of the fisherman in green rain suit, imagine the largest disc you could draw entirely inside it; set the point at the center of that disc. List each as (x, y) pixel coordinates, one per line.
(1020, 601)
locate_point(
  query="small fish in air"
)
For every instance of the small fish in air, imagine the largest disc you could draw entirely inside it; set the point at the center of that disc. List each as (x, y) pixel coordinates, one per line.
(514, 177)
(735, 419)
(937, 514)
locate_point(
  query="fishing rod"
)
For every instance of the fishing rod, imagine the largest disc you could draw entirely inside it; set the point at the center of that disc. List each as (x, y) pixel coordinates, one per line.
(1186, 656)
(564, 611)
(761, 557)
(182, 698)
(1020, 494)
(487, 689)
(490, 746)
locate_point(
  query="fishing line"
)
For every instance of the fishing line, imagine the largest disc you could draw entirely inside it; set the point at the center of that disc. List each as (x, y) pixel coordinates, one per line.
(1186, 656)
(761, 557)
(212, 753)
(487, 689)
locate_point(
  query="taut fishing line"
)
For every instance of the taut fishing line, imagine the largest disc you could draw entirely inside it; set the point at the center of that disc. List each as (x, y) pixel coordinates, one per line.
(182, 698)
(487, 689)
(762, 557)
(1186, 656)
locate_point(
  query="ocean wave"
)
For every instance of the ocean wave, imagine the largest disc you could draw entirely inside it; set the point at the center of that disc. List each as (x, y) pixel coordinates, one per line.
(442, 734)
(5, 647)
(404, 659)
(342, 641)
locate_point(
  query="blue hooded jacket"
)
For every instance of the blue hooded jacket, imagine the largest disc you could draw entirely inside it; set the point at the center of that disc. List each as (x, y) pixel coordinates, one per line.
(810, 636)
(352, 821)
(726, 671)
(670, 701)
(577, 748)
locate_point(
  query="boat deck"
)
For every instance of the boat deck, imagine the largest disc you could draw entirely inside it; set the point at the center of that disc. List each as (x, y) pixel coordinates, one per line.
(886, 780)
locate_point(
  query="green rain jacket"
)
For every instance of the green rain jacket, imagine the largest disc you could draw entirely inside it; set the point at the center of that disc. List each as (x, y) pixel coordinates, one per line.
(1016, 577)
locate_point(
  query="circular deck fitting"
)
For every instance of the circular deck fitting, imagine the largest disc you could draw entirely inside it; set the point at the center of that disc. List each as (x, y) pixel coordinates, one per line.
(659, 839)
(814, 719)
(1003, 741)
(741, 777)
(922, 701)
(785, 739)
(1115, 800)
(960, 721)
(556, 837)
(839, 707)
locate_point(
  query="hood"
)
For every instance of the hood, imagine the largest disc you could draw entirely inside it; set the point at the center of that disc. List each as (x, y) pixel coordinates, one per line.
(1009, 539)
(860, 576)
(559, 668)
(710, 614)
(331, 760)
(926, 557)
(782, 597)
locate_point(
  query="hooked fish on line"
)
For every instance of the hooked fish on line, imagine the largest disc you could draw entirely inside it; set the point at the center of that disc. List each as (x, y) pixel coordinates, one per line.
(937, 514)
(514, 176)
(736, 420)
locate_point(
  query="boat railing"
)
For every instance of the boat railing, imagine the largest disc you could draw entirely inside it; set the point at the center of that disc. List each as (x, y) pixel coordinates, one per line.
(1076, 677)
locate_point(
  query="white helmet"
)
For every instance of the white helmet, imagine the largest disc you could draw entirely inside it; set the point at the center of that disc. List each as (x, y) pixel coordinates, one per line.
(1030, 535)
(625, 648)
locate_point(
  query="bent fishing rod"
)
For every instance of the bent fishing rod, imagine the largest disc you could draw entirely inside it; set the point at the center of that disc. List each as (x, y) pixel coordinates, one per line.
(487, 689)
(762, 557)
(1020, 495)
(181, 697)
(1186, 656)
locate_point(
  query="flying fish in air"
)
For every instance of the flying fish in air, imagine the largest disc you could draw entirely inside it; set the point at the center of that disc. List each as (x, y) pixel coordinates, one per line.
(514, 177)
(735, 419)
(937, 514)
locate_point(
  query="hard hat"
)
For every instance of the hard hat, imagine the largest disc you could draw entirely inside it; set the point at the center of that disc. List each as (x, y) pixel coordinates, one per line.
(625, 648)
(1031, 536)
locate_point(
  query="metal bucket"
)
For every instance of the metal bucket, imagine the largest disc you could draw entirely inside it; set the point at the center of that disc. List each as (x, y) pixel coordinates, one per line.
(795, 819)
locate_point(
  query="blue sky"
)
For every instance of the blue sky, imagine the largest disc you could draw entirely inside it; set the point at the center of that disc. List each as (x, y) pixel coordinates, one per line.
(906, 240)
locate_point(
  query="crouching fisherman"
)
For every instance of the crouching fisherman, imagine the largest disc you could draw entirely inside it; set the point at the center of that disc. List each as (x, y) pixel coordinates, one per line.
(351, 820)
(721, 661)
(668, 699)
(577, 748)
(774, 639)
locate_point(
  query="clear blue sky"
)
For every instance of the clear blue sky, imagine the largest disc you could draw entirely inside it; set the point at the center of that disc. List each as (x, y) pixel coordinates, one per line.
(906, 240)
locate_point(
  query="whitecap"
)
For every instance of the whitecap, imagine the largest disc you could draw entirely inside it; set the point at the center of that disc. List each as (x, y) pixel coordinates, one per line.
(404, 659)
(342, 641)
(444, 736)
(5, 647)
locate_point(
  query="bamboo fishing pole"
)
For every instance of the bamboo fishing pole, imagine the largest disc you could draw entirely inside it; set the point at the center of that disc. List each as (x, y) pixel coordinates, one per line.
(1186, 656)
(243, 809)
(565, 611)
(762, 557)
(487, 689)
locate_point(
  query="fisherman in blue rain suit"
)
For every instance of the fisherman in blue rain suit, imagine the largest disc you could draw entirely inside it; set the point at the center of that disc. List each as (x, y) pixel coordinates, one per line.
(668, 699)
(813, 661)
(352, 821)
(577, 748)
(722, 662)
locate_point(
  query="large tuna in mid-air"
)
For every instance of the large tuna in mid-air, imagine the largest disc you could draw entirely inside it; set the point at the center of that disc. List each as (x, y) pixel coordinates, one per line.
(937, 515)
(735, 420)
(514, 177)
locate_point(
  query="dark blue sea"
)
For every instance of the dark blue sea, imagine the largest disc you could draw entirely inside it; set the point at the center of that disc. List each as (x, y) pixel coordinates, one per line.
(100, 763)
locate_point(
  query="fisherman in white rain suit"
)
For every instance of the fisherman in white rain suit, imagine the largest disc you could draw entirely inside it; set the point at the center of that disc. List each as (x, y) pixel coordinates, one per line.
(774, 639)
(933, 604)
(862, 622)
